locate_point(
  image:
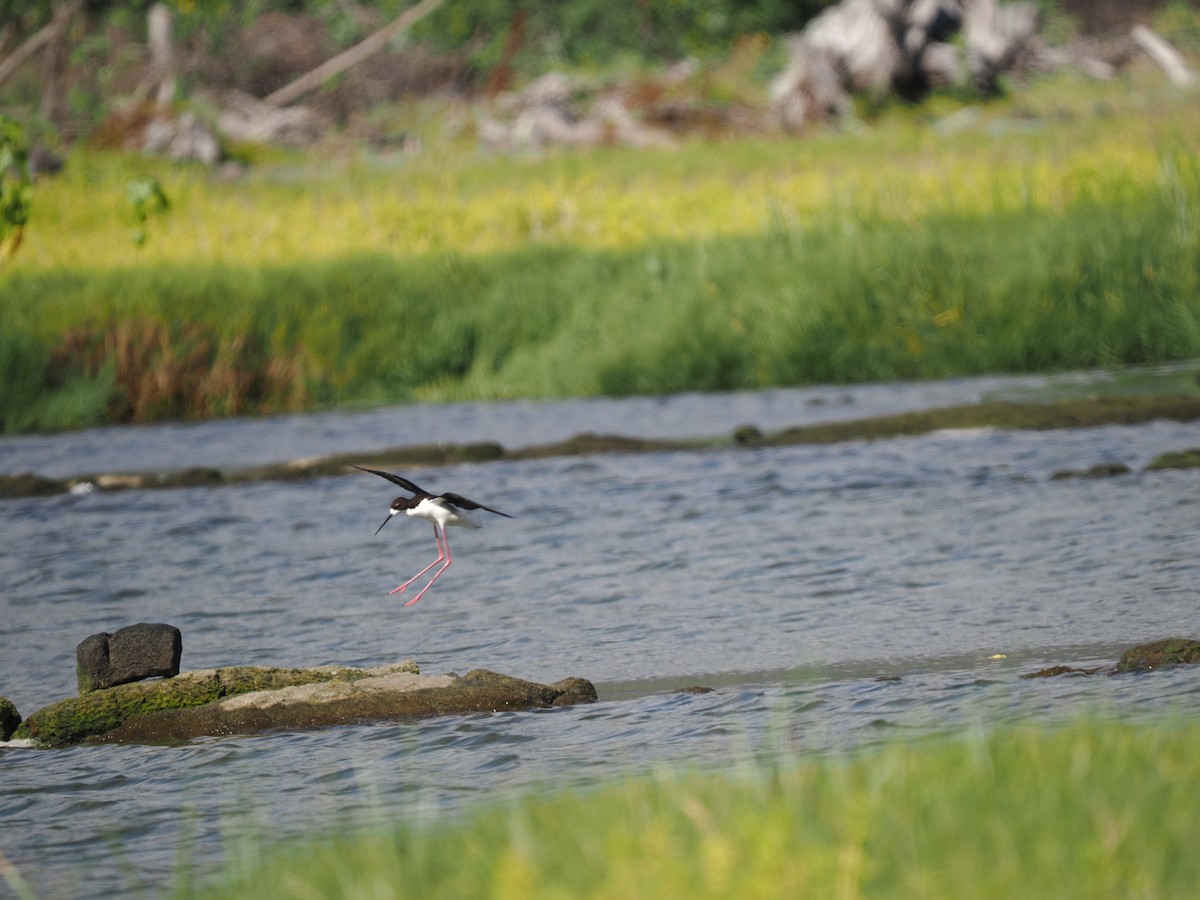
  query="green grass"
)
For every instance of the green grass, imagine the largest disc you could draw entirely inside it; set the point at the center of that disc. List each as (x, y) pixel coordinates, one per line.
(898, 253)
(1092, 810)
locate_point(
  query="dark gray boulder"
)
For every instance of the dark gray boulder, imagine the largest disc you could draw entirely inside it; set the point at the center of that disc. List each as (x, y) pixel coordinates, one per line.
(130, 654)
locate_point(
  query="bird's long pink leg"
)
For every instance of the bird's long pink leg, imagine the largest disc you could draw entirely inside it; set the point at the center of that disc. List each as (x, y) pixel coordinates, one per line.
(442, 554)
(446, 545)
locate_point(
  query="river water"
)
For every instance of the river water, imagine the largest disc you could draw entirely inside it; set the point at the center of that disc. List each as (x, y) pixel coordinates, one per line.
(833, 596)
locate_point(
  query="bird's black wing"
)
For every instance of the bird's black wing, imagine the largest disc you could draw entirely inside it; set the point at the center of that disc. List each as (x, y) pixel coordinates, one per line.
(394, 479)
(461, 501)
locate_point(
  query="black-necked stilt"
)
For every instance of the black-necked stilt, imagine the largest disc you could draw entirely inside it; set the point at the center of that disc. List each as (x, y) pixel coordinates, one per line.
(440, 509)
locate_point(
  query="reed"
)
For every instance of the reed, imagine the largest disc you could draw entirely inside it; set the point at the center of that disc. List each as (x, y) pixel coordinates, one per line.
(899, 253)
(1094, 809)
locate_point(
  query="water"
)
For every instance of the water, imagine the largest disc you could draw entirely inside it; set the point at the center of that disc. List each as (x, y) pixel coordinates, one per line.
(833, 596)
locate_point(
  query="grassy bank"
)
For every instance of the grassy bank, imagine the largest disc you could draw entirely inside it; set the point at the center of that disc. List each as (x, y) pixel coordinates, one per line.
(1059, 233)
(1096, 809)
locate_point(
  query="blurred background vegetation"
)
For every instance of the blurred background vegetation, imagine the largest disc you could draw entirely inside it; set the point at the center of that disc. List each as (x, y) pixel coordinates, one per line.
(1055, 226)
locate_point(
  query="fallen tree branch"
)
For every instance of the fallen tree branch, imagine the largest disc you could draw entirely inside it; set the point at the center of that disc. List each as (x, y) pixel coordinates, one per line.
(39, 39)
(1166, 56)
(371, 45)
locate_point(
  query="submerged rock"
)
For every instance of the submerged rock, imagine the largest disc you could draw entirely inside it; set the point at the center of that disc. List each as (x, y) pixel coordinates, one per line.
(1159, 655)
(1054, 671)
(9, 718)
(247, 699)
(27, 484)
(1099, 470)
(1176, 459)
(1078, 413)
(1142, 658)
(129, 654)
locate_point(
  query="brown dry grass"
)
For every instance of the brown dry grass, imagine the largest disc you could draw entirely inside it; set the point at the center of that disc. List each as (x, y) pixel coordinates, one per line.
(186, 372)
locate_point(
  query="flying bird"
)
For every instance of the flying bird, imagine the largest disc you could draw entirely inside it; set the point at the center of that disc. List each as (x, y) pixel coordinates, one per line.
(440, 509)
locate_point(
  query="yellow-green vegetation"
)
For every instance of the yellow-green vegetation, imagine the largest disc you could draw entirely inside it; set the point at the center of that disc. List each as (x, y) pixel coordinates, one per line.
(1092, 810)
(1058, 229)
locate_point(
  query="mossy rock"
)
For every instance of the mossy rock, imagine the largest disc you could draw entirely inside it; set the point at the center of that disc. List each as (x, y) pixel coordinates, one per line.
(1055, 671)
(1099, 470)
(1159, 655)
(9, 718)
(29, 485)
(381, 698)
(99, 712)
(1176, 459)
(248, 699)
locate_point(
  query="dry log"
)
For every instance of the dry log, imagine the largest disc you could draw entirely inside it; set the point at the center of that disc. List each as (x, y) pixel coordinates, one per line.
(310, 81)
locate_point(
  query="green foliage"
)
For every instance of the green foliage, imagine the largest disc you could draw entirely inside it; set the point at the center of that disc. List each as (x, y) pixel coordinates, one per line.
(576, 32)
(1178, 22)
(592, 33)
(14, 187)
(1090, 810)
(147, 200)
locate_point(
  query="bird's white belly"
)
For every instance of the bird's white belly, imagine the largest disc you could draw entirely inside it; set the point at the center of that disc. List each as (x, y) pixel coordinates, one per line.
(442, 513)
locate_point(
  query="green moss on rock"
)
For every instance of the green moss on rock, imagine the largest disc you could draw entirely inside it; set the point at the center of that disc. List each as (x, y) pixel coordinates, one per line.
(386, 697)
(1176, 459)
(1159, 654)
(99, 712)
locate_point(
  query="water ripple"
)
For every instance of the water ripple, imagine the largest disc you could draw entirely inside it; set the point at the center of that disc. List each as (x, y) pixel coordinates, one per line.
(831, 596)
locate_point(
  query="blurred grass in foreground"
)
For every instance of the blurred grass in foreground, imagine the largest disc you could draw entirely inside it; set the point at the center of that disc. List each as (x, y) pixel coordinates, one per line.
(1092, 810)
(1059, 231)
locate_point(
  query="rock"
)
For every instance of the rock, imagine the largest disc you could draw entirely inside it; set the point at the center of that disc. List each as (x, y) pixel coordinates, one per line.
(998, 37)
(1143, 658)
(9, 718)
(572, 691)
(747, 435)
(248, 699)
(876, 47)
(186, 139)
(1176, 459)
(548, 112)
(1099, 470)
(1054, 671)
(1159, 655)
(29, 485)
(246, 118)
(130, 654)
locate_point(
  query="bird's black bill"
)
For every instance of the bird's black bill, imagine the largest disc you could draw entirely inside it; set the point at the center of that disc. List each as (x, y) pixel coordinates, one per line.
(385, 521)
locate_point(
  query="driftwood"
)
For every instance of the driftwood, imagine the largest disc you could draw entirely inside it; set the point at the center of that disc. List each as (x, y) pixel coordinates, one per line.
(310, 81)
(1167, 58)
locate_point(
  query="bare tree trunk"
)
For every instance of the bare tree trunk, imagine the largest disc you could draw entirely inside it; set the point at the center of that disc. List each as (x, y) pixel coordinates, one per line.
(39, 39)
(310, 81)
(162, 51)
(54, 65)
